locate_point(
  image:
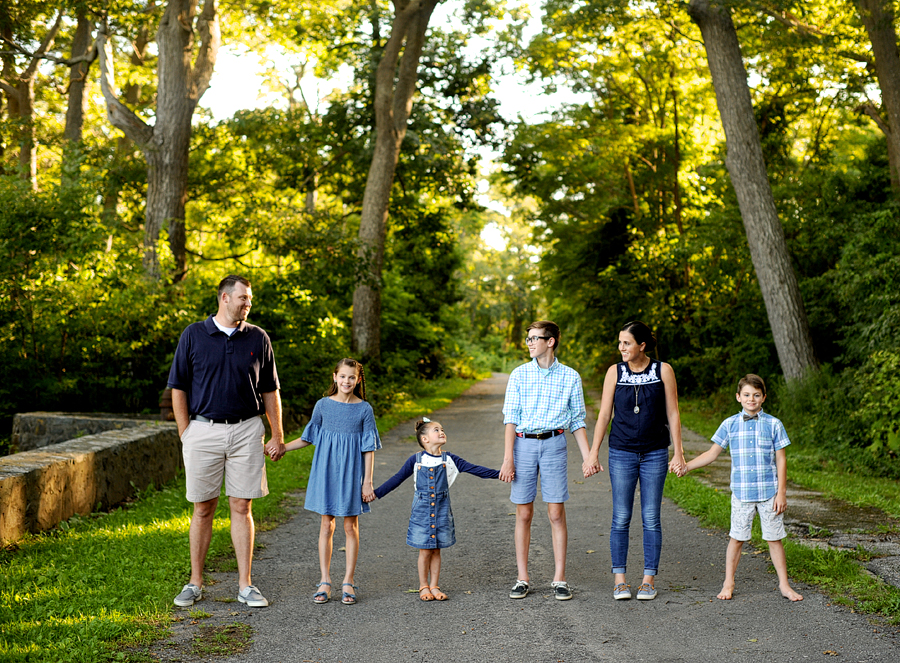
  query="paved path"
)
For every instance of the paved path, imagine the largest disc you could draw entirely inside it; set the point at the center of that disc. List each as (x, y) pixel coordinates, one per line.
(479, 623)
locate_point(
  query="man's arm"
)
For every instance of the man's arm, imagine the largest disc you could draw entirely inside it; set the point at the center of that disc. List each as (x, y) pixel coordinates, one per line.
(781, 468)
(180, 410)
(272, 403)
(508, 469)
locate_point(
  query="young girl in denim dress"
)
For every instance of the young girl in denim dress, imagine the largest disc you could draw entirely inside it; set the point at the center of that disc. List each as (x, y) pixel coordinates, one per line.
(431, 520)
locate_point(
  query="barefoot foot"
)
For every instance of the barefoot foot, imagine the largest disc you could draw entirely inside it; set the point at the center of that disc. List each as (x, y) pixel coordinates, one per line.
(788, 592)
(726, 593)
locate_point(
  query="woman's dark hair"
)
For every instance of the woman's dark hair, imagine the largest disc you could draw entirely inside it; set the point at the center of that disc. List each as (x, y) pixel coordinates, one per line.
(360, 389)
(642, 334)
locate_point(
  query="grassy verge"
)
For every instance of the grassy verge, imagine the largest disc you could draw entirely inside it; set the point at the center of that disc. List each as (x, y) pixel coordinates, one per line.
(101, 583)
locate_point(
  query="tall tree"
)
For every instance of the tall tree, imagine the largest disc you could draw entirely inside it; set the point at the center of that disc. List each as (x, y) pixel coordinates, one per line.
(394, 89)
(80, 62)
(19, 89)
(878, 17)
(747, 168)
(188, 45)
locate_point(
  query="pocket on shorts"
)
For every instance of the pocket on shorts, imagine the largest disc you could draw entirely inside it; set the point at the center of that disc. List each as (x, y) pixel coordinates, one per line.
(187, 430)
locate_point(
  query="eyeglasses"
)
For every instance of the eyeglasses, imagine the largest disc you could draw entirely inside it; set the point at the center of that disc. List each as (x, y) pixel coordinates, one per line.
(533, 339)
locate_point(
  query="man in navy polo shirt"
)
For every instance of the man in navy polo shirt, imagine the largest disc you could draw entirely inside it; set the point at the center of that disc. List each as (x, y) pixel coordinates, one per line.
(222, 379)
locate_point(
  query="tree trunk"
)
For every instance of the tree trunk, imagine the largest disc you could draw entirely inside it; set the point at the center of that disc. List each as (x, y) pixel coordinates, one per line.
(166, 145)
(747, 168)
(878, 17)
(81, 45)
(393, 102)
(19, 91)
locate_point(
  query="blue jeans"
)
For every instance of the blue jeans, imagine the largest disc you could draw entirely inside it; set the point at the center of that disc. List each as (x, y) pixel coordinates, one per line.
(626, 469)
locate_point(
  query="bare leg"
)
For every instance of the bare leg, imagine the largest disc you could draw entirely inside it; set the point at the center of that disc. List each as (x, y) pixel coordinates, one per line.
(435, 569)
(560, 534)
(779, 561)
(326, 543)
(351, 530)
(200, 535)
(435, 575)
(242, 535)
(524, 516)
(424, 565)
(732, 557)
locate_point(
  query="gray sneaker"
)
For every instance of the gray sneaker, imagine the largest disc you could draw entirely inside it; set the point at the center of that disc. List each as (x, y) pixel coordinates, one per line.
(252, 597)
(520, 590)
(647, 592)
(621, 592)
(561, 591)
(188, 596)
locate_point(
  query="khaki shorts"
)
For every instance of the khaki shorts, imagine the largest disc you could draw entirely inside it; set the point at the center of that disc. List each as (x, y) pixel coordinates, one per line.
(742, 514)
(234, 451)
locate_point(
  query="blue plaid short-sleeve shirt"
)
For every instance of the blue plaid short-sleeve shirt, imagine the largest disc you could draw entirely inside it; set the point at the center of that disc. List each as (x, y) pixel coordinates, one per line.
(753, 443)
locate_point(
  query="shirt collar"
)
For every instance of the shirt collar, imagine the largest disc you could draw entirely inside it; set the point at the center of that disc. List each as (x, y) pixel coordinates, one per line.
(550, 369)
(211, 328)
(743, 412)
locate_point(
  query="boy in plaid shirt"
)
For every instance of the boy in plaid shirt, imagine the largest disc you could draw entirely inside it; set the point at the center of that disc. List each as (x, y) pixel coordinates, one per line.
(758, 480)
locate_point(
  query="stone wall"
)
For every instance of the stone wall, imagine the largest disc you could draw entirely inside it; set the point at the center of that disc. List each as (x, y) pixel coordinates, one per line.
(42, 487)
(33, 430)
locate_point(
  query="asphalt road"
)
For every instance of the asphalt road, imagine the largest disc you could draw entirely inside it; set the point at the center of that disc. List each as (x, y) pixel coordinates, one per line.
(480, 623)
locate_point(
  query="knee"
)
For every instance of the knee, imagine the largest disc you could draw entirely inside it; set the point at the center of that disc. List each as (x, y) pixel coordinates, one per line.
(240, 507)
(327, 525)
(557, 514)
(205, 510)
(525, 513)
(351, 526)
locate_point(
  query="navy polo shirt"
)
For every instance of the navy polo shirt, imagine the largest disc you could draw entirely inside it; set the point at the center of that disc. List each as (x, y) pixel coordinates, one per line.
(224, 376)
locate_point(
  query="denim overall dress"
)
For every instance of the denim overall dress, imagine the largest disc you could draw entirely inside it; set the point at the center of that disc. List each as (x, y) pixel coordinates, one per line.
(431, 521)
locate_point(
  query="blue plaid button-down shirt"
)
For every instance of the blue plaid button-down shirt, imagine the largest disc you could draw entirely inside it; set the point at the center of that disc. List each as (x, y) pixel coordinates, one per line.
(538, 402)
(752, 444)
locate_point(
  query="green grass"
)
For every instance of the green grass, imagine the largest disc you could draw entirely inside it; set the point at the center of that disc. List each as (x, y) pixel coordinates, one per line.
(835, 572)
(98, 585)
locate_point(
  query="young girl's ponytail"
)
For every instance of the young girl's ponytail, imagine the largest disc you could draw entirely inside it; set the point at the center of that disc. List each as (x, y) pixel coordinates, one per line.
(419, 424)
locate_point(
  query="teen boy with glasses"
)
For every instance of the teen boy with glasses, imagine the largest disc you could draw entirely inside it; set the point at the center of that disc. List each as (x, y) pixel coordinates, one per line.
(543, 398)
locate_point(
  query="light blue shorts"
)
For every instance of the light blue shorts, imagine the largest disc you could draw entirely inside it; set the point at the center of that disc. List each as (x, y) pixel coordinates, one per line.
(549, 458)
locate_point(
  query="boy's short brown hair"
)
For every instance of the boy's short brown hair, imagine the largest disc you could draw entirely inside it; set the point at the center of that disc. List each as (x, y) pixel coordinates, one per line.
(752, 380)
(551, 329)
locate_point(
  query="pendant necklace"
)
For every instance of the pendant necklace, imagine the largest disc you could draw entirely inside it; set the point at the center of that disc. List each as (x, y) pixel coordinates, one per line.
(637, 390)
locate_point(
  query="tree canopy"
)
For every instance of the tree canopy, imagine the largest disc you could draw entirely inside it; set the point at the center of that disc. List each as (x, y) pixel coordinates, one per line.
(121, 209)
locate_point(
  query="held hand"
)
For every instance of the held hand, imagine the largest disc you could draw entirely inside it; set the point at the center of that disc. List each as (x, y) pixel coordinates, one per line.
(368, 492)
(275, 450)
(508, 471)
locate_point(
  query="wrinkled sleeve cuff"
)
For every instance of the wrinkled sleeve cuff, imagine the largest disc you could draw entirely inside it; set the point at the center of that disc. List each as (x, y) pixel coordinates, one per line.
(370, 441)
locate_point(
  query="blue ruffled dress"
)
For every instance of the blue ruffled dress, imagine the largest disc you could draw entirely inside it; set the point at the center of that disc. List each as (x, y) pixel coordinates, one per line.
(342, 433)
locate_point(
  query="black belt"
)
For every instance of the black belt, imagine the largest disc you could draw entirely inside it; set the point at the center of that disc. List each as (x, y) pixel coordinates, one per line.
(542, 436)
(202, 419)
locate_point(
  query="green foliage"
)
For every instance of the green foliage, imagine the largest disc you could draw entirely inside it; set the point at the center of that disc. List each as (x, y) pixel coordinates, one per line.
(880, 402)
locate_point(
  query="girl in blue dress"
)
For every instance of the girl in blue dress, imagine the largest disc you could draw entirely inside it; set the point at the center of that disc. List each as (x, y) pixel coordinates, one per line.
(342, 428)
(431, 520)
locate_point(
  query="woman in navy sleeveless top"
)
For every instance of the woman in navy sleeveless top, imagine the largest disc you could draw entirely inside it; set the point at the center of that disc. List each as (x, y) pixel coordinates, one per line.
(644, 397)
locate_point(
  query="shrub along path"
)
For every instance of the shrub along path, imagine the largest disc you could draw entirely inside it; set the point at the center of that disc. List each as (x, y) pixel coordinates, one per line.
(479, 622)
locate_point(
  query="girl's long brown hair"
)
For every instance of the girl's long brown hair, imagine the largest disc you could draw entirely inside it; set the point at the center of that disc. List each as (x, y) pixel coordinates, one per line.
(360, 389)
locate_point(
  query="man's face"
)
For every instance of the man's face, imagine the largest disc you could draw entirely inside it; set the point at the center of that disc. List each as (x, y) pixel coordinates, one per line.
(236, 304)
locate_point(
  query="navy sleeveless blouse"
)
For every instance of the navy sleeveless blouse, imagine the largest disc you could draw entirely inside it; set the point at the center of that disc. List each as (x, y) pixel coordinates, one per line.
(648, 429)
